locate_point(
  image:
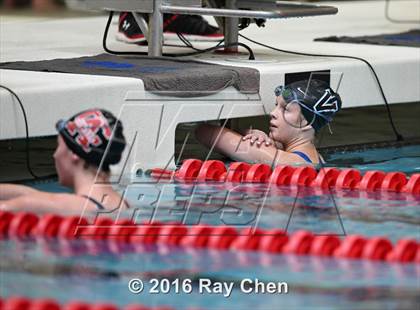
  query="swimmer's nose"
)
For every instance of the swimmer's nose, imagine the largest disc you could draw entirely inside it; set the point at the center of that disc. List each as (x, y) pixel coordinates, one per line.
(272, 116)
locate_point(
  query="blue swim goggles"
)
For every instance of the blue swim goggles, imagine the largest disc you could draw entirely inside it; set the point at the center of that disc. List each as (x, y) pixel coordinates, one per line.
(287, 94)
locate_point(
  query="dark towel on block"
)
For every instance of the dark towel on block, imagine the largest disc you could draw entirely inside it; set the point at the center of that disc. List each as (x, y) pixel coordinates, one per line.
(161, 75)
(410, 38)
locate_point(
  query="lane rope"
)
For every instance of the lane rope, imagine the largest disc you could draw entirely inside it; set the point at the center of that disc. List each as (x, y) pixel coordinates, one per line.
(276, 241)
(195, 170)
(19, 303)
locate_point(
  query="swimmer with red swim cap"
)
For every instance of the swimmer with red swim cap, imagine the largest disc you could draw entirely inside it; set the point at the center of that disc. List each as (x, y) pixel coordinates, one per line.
(302, 108)
(88, 144)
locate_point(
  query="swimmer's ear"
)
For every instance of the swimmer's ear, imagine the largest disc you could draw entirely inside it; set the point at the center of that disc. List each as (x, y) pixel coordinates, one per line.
(75, 158)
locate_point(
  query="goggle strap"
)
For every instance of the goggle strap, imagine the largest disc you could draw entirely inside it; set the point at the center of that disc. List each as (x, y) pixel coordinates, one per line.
(328, 119)
(278, 91)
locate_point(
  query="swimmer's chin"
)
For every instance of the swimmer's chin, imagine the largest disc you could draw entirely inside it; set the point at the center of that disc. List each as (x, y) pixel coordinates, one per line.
(277, 144)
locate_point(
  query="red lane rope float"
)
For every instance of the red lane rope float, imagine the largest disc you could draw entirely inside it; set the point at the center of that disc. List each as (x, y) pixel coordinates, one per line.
(371, 180)
(198, 238)
(282, 175)
(172, 234)
(248, 239)
(20, 303)
(22, 225)
(394, 182)
(222, 237)
(351, 247)
(189, 169)
(303, 176)
(5, 219)
(299, 243)
(16, 303)
(237, 172)
(121, 231)
(404, 251)
(377, 248)
(348, 179)
(44, 304)
(413, 184)
(72, 227)
(48, 226)
(217, 237)
(327, 177)
(214, 170)
(76, 305)
(273, 241)
(324, 245)
(146, 234)
(100, 229)
(258, 173)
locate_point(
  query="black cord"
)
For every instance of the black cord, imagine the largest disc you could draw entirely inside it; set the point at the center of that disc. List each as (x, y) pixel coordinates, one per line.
(396, 21)
(219, 45)
(28, 163)
(398, 136)
(111, 14)
(185, 41)
(251, 53)
(189, 44)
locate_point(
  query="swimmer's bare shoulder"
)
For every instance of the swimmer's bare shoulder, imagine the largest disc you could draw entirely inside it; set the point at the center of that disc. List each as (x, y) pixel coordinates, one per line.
(270, 155)
(42, 202)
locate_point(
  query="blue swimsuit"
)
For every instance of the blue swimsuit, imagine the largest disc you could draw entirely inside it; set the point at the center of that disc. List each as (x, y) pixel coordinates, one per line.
(97, 203)
(304, 156)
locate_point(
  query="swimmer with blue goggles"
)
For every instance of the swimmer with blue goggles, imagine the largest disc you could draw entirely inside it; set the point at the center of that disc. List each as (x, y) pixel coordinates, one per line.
(292, 128)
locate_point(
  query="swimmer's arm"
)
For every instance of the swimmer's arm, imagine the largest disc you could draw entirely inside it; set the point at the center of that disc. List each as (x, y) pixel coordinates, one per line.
(46, 202)
(10, 191)
(230, 143)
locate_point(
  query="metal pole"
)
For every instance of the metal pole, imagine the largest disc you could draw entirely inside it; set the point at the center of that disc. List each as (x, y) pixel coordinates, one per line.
(290, 11)
(142, 24)
(219, 20)
(231, 28)
(156, 30)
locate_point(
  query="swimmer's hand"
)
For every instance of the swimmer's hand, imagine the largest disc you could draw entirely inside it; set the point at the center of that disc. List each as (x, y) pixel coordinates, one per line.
(258, 136)
(4, 207)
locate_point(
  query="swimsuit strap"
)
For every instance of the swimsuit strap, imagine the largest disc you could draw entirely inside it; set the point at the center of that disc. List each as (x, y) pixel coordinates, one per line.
(303, 155)
(97, 203)
(100, 205)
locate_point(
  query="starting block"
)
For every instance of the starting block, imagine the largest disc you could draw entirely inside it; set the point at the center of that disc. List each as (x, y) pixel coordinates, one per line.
(226, 12)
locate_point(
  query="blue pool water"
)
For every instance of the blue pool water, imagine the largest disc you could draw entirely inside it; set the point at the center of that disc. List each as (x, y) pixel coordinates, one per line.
(405, 159)
(100, 271)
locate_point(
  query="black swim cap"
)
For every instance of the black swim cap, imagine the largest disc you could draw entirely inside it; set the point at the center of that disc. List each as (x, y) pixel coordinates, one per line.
(318, 101)
(94, 135)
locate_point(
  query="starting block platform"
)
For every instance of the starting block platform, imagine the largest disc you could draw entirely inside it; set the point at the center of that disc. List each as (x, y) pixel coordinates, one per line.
(226, 12)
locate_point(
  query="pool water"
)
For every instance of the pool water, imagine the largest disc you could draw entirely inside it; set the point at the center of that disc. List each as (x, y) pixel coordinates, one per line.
(405, 159)
(100, 271)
